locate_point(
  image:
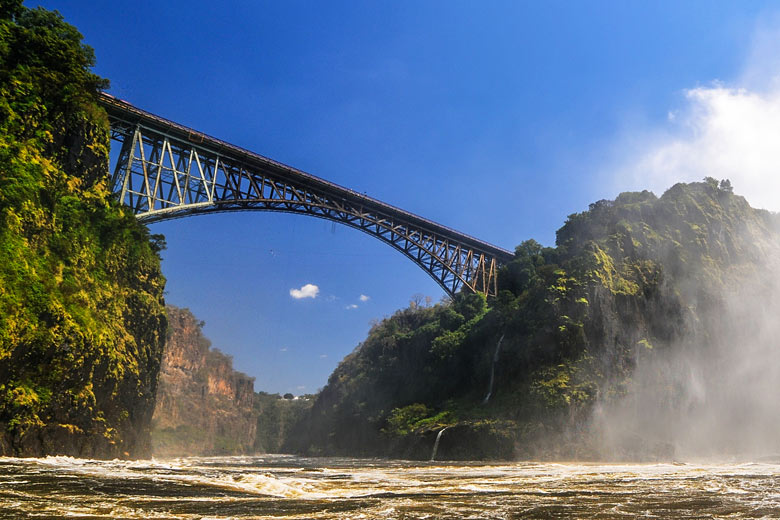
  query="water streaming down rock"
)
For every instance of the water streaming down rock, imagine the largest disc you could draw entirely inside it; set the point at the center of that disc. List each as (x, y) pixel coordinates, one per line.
(436, 444)
(493, 369)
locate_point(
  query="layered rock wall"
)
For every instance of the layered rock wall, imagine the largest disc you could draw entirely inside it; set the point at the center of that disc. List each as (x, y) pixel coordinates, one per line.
(204, 407)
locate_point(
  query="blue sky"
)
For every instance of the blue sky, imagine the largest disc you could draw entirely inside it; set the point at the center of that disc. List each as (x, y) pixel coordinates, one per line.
(494, 118)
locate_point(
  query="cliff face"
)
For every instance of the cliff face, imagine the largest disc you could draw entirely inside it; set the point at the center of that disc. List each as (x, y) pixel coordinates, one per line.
(649, 312)
(277, 416)
(204, 407)
(82, 320)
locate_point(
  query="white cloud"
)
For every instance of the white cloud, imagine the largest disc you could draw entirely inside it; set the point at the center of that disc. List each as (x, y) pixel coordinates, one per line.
(323, 356)
(364, 298)
(726, 132)
(283, 349)
(351, 306)
(307, 291)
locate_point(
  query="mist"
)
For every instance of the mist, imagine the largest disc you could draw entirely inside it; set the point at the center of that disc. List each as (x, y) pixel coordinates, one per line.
(728, 128)
(715, 393)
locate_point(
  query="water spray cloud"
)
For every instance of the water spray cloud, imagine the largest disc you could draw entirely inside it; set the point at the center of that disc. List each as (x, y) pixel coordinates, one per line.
(724, 130)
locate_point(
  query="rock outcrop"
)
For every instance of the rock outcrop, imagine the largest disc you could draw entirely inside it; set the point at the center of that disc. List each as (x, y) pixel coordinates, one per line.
(641, 335)
(82, 319)
(276, 418)
(204, 407)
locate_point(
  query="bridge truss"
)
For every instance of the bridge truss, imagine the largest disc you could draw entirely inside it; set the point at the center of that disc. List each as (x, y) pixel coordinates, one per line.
(165, 170)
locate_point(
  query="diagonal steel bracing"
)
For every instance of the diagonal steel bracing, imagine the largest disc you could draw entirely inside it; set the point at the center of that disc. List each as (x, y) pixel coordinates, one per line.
(165, 171)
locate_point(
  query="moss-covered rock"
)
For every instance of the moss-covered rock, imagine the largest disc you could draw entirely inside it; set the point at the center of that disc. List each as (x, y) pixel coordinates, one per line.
(628, 280)
(82, 320)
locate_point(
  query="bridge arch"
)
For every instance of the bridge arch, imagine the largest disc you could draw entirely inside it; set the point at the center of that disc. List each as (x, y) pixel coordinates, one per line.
(167, 171)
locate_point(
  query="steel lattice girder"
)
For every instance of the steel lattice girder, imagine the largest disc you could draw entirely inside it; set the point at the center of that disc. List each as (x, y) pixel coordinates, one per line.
(165, 171)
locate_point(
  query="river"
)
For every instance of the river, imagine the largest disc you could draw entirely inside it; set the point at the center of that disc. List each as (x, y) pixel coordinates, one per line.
(293, 487)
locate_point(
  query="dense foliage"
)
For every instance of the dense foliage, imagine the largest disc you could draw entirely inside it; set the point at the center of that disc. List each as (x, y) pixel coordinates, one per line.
(276, 416)
(628, 278)
(81, 313)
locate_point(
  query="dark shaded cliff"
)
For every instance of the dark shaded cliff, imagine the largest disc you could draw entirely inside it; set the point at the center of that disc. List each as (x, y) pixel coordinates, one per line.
(277, 416)
(637, 320)
(82, 320)
(204, 407)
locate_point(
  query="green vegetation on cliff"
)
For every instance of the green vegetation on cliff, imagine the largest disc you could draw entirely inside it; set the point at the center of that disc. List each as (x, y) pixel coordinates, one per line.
(629, 278)
(82, 320)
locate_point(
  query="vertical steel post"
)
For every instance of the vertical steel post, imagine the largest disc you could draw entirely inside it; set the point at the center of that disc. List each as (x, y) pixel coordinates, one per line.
(136, 134)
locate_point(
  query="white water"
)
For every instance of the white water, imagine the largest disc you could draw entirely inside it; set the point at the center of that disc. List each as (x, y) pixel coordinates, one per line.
(436, 444)
(493, 369)
(328, 488)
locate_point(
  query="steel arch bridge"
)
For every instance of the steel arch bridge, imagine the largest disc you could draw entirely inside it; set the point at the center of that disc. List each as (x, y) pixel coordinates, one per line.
(165, 170)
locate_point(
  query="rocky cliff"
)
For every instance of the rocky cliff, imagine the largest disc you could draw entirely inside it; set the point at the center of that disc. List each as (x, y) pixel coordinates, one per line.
(649, 331)
(277, 416)
(82, 320)
(204, 407)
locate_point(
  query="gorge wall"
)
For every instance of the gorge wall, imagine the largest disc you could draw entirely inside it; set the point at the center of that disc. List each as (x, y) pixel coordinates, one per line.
(204, 407)
(82, 320)
(648, 332)
(278, 416)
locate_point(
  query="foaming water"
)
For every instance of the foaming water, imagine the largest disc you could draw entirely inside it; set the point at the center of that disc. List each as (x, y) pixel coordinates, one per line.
(330, 488)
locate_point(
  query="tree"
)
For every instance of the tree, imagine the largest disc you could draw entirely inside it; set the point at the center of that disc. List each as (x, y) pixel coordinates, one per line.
(10, 9)
(82, 322)
(712, 182)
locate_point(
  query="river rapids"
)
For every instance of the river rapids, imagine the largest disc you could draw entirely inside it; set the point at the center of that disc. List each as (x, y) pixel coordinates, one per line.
(293, 487)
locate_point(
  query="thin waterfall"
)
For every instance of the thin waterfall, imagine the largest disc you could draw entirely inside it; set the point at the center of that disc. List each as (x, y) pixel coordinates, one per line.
(493, 369)
(436, 444)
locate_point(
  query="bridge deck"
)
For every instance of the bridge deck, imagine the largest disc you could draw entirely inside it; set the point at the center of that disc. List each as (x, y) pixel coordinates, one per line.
(132, 114)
